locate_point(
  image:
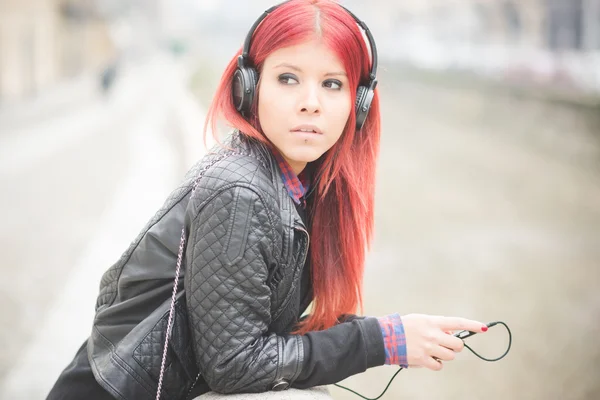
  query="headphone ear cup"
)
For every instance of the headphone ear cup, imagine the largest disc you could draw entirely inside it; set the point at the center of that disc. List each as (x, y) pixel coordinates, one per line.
(253, 78)
(360, 94)
(237, 89)
(243, 88)
(364, 97)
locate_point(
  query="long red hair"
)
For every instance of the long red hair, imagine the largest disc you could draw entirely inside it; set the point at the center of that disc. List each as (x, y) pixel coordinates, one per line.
(343, 211)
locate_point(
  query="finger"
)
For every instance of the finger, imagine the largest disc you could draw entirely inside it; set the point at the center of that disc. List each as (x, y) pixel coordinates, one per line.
(443, 353)
(432, 364)
(459, 324)
(451, 342)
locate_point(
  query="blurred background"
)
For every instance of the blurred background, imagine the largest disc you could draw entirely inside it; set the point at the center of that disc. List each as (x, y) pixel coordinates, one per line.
(488, 202)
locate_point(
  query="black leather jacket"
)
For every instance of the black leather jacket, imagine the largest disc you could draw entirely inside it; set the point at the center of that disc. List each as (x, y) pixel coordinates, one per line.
(238, 296)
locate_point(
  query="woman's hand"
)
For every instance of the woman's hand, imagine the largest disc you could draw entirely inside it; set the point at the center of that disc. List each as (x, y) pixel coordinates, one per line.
(430, 340)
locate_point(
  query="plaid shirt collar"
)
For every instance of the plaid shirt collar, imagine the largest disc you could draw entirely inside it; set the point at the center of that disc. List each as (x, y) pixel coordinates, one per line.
(296, 185)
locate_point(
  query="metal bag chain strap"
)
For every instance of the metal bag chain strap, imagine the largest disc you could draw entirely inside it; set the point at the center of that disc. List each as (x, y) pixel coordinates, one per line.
(176, 281)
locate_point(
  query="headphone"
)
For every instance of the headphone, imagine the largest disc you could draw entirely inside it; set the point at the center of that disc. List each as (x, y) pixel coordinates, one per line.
(245, 77)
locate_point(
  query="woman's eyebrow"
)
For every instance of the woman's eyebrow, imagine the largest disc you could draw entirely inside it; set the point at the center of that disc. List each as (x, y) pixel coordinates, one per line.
(295, 68)
(290, 66)
(335, 73)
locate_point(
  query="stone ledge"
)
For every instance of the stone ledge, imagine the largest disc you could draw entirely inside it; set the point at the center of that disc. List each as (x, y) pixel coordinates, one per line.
(317, 393)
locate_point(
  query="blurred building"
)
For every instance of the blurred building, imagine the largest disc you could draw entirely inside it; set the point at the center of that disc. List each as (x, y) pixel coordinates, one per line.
(556, 24)
(547, 41)
(45, 41)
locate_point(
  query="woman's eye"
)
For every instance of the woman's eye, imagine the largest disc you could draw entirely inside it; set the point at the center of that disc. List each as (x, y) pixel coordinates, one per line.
(288, 79)
(333, 84)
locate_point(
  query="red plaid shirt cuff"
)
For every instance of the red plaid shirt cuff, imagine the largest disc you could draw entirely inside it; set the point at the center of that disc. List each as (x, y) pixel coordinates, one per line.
(394, 340)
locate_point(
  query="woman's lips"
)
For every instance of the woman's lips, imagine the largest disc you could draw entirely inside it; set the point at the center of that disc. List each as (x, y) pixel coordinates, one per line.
(308, 129)
(311, 133)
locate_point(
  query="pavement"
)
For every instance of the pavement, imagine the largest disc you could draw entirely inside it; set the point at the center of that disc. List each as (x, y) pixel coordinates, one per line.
(153, 113)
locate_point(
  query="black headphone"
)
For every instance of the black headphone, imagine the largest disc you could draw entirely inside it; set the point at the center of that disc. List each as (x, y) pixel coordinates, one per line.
(245, 76)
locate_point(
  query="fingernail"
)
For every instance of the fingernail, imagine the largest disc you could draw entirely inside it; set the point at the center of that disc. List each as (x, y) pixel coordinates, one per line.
(485, 328)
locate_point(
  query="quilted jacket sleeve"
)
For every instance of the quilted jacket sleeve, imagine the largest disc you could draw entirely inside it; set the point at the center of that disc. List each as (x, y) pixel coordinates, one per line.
(231, 243)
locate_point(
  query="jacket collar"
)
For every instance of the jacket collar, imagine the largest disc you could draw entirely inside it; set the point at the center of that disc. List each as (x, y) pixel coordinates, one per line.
(253, 147)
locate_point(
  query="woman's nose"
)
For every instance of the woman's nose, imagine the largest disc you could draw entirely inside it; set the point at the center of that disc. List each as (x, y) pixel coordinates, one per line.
(309, 102)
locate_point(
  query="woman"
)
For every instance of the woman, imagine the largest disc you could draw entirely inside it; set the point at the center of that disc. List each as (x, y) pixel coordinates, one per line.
(279, 218)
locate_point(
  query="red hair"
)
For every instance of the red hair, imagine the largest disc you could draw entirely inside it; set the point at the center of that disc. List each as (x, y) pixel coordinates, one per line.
(342, 212)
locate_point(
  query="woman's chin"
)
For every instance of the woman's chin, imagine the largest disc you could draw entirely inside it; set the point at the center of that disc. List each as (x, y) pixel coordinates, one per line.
(304, 156)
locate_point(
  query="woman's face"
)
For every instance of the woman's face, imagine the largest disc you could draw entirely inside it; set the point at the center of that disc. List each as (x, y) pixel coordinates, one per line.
(304, 101)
